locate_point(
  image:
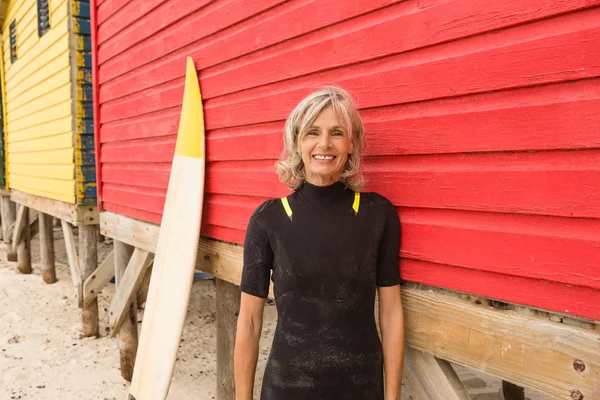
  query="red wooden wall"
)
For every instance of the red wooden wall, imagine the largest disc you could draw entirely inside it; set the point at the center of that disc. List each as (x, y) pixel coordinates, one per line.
(483, 120)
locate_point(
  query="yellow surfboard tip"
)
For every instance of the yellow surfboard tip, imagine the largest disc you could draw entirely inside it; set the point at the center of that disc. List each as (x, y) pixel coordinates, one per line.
(190, 137)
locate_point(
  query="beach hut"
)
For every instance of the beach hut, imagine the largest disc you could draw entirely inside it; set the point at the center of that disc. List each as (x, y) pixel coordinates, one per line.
(482, 124)
(48, 136)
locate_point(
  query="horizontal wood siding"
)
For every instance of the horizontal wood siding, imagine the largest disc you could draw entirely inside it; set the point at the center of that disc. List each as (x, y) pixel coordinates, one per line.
(482, 122)
(83, 117)
(40, 150)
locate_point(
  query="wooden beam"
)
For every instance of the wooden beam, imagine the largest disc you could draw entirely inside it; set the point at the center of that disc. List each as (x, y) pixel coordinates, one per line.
(47, 248)
(214, 257)
(142, 293)
(74, 214)
(99, 279)
(9, 215)
(24, 244)
(530, 351)
(22, 211)
(88, 261)
(136, 268)
(228, 306)
(128, 333)
(533, 352)
(430, 378)
(73, 261)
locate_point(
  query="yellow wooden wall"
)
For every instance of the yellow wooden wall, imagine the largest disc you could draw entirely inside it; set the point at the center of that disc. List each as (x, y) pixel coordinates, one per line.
(40, 138)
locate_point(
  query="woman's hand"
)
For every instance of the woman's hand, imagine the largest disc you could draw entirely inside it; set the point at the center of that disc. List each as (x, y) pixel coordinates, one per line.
(245, 356)
(391, 322)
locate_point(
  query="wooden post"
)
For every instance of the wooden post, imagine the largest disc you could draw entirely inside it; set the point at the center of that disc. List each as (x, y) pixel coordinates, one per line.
(24, 247)
(88, 256)
(9, 215)
(128, 334)
(431, 378)
(47, 248)
(228, 307)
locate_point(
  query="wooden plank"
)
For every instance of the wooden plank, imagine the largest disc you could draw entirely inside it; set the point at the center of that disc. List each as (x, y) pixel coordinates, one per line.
(441, 126)
(44, 171)
(9, 215)
(52, 75)
(99, 279)
(88, 261)
(46, 115)
(324, 30)
(42, 103)
(505, 121)
(23, 247)
(528, 351)
(484, 66)
(207, 20)
(430, 378)
(268, 28)
(47, 264)
(59, 189)
(130, 281)
(33, 190)
(75, 215)
(57, 134)
(343, 44)
(228, 306)
(160, 123)
(20, 223)
(126, 23)
(128, 332)
(73, 261)
(547, 183)
(170, 288)
(117, 9)
(61, 157)
(95, 104)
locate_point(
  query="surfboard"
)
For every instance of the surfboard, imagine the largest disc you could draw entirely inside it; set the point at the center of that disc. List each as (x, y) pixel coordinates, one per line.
(175, 257)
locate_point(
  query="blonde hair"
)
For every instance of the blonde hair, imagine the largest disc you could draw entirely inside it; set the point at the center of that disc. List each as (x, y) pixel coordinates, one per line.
(290, 166)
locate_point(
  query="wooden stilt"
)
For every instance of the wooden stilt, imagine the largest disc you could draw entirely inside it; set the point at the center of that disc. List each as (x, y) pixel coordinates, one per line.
(71, 247)
(24, 245)
(431, 378)
(510, 391)
(88, 256)
(127, 288)
(9, 215)
(228, 306)
(47, 248)
(142, 293)
(99, 279)
(128, 334)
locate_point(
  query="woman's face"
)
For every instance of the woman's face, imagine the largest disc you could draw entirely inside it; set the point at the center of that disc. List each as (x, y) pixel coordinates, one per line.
(325, 148)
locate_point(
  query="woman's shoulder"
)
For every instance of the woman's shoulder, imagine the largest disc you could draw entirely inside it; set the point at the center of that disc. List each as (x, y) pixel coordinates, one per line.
(265, 209)
(375, 199)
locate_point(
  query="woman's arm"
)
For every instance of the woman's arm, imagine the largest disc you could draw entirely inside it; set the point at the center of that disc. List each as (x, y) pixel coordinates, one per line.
(245, 356)
(391, 322)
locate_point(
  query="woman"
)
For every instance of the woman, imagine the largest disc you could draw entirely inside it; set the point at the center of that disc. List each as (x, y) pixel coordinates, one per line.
(328, 249)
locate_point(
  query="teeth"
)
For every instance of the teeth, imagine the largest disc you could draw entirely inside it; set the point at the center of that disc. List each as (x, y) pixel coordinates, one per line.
(324, 157)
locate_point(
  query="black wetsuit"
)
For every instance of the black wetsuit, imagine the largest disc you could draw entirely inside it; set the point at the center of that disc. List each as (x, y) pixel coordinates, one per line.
(326, 261)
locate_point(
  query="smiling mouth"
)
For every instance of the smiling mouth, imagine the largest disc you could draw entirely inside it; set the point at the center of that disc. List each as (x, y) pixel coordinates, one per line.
(323, 158)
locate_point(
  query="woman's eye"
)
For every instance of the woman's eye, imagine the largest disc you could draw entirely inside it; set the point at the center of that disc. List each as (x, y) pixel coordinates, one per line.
(312, 133)
(338, 133)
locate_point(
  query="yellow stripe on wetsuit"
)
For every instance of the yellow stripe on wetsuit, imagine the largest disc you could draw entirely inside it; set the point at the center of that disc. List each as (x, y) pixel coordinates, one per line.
(288, 209)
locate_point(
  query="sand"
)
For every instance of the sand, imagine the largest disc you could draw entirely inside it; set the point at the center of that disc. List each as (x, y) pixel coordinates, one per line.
(44, 356)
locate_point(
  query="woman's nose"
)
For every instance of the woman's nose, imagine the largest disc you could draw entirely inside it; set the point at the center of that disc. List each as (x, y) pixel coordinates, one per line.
(324, 141)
